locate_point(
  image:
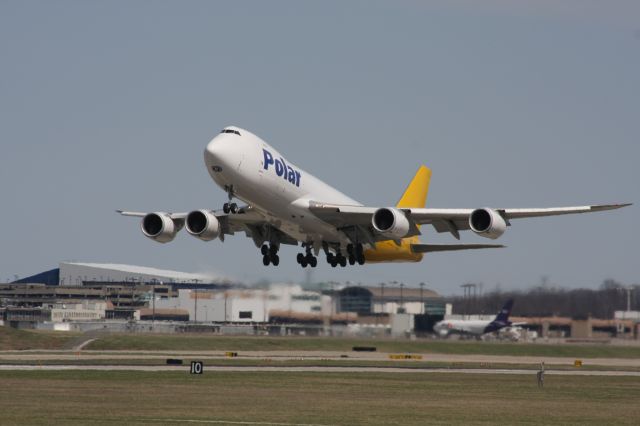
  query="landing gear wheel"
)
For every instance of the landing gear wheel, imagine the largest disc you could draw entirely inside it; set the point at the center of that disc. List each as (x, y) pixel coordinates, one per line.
(303, 262)
(265, 260)
(264, 250)
(352, 259)
(226, 208)
(330, 258)
(333, 263)
(313, 262)
(343, 261)
(349, 249)
(300, 258)
(360, 259)
(275, 260)
(233, 207)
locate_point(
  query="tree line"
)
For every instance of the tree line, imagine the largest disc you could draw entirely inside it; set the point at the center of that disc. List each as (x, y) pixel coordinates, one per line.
(547, 300)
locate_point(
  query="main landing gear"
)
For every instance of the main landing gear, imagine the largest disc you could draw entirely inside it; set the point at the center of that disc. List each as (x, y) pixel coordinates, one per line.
(307, 259)
(270, 255)
(229, 207)
(355, 254)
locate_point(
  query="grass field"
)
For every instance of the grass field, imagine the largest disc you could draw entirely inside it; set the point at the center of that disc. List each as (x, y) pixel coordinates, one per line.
(13, 339)
(107, 398)
(227, 343)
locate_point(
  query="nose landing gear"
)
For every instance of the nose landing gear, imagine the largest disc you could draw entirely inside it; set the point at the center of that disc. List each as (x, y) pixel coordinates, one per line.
(229, 207)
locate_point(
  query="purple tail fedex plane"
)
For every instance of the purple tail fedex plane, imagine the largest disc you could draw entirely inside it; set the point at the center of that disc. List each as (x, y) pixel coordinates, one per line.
(286, 205)
(477, 327)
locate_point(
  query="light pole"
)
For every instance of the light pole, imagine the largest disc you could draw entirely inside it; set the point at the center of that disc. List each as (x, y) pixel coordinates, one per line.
(153, 301)
(195, 309)
(422, 298)
(628, 289)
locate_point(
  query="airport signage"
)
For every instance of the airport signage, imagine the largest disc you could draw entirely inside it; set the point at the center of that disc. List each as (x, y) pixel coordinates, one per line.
(197, 367)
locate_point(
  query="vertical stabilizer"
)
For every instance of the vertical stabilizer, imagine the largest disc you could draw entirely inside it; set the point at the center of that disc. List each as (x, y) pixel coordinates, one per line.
(502, 319)
(503, 315)
(416, 193)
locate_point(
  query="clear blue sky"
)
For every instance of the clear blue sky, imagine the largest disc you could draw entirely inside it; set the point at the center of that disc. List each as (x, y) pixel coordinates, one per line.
(107, 105)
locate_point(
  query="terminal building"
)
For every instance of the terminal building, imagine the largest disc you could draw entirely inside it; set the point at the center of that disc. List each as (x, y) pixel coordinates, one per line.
(77, 274)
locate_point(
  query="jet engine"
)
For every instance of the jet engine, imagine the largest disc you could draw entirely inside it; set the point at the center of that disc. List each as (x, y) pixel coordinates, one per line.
(203, 224)
(391, 223)
(487, 223)
(159, 227)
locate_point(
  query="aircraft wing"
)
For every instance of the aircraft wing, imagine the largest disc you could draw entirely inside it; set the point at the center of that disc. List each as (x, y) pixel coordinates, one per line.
(443, 220)
(430, 248)
(143, 214)
(248, 219)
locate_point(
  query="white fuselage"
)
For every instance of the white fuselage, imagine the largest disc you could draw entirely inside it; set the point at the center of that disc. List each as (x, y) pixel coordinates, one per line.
(472, 327)
(277, 188)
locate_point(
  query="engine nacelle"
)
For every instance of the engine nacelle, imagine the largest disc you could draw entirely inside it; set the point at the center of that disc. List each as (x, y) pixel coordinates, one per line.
(203, 224)
(159, 227)
(391, 223)
(487, 223)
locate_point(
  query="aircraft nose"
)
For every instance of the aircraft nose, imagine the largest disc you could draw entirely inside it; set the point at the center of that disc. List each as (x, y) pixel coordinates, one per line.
(219, 153)
(215, 151)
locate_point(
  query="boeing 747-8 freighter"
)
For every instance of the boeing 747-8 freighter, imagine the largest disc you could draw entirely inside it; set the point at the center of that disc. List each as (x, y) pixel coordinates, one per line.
(286, 205)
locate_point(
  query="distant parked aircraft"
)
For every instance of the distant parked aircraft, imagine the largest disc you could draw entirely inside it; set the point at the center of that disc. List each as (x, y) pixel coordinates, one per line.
(477, 327)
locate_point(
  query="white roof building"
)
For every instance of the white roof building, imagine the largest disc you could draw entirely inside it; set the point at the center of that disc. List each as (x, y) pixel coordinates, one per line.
(74, 273)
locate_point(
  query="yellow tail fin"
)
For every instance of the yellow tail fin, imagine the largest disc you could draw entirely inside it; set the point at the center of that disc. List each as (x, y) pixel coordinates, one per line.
(416, 193)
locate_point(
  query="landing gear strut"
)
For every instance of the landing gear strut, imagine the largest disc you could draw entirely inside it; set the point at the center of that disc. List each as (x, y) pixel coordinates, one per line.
(308, 258)
(270, 255)
(229, 207)
(356, 254)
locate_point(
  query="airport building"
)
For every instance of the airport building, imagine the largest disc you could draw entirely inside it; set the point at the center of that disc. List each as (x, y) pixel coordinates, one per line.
(77, 274)
(247, 305)
(390, 300)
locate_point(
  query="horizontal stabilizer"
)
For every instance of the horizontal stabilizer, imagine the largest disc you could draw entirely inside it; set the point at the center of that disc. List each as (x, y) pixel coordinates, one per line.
(428, 248)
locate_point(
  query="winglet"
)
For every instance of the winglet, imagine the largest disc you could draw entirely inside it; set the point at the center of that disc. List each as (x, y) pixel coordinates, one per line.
(416, 193)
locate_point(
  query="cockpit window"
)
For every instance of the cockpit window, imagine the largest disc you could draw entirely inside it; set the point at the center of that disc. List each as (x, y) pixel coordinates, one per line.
(230, 131)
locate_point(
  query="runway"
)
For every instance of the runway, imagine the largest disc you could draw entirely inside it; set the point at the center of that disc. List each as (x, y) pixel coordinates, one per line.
(35, 356)
(346, 369)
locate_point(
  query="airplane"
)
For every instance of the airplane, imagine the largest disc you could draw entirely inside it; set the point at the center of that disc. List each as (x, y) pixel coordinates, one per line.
(477, 327)
(286, 205)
